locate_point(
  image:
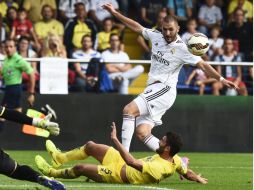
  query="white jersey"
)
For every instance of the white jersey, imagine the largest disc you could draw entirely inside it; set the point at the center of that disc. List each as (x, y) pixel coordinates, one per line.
(167, 59)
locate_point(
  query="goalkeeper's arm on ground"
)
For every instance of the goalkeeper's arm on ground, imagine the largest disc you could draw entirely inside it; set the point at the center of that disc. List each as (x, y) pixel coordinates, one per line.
(18, 117)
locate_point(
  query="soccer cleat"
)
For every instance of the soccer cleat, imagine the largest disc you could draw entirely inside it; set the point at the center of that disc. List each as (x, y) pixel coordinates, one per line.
(52, 127)
(186, 162)
(42, 165)
(47, 109)
(53, 151)
(51, 183)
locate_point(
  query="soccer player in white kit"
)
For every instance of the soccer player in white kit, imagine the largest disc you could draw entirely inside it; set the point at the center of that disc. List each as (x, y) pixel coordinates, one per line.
(169, 54)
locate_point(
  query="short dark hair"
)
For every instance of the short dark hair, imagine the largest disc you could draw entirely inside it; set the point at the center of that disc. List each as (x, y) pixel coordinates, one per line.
(86, 36)
(9, 40)
(175, 142)
(21, 9)
(106, 19)
(47, 6)
(24, 38)
(78, 4)
(114, 34)
(170, 18)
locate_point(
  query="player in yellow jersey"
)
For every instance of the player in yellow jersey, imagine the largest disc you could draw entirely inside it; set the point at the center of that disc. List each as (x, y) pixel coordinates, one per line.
(120, 166)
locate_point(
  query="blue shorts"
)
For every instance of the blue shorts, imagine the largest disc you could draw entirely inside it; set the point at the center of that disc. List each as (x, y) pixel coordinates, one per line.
(12, 96)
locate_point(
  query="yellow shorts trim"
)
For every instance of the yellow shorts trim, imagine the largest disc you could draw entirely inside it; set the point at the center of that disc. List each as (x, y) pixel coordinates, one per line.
(111, 166)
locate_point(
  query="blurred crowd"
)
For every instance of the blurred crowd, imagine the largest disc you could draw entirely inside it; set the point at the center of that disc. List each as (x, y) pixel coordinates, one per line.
(82, 29)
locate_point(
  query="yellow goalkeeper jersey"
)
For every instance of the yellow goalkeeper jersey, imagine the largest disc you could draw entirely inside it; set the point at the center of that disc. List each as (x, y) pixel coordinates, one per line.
(155, 169)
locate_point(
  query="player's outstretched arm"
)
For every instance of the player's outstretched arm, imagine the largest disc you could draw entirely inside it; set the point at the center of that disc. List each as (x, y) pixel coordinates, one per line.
(18, 117)
(192, 176)
(128, 158)
(133, 25)
(210, 71)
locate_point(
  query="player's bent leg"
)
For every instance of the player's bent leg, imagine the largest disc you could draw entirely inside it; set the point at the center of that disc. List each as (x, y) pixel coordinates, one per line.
(59, 158)
(88, 170)
(130, 111)
(98, 151)
(143, 133)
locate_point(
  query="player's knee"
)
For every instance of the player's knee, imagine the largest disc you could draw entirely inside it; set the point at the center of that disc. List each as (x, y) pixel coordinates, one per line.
(130, 109)
(79, 169)
(141, 134)
(89, 145)
(127, 110)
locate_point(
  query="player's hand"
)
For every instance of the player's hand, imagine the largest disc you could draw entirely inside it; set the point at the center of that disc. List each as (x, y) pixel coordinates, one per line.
(51, 127)
(109, 7)
(230, 84)
(201, 179)
(113, 132)
(31, 99)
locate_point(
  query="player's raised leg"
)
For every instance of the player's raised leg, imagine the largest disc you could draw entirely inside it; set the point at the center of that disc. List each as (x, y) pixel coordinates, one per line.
(144, 134)
(130, 112)
(95, 150)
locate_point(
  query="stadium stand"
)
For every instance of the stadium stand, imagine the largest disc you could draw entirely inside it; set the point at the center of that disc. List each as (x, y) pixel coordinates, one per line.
(237, 24)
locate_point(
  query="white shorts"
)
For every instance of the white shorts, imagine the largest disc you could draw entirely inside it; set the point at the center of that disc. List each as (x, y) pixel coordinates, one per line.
(153, 103)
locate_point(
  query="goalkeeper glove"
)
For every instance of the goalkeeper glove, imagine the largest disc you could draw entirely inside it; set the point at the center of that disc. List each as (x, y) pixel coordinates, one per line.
(45, 123)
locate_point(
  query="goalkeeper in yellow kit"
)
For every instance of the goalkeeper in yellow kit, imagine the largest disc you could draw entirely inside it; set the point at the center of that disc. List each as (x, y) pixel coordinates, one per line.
(119, 166)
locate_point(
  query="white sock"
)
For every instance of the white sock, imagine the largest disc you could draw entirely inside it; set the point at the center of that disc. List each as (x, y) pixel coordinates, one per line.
(127, 130)
(151, 142)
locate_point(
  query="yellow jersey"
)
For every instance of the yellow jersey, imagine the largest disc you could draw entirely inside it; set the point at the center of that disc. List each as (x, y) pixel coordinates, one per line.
(42, 29)
(247, 8)
(103, 39)
(155, 169)
(34, 8)
(80, 30)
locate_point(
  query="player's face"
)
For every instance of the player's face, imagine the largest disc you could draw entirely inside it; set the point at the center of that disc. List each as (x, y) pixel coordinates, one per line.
(162, 145)
(169, 31)
(10, 48)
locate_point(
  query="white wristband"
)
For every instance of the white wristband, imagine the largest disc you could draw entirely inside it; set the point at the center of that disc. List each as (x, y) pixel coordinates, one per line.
(221, 79)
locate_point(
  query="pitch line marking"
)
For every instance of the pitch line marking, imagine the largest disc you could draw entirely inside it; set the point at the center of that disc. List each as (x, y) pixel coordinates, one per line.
(91, 186)
(223, 167)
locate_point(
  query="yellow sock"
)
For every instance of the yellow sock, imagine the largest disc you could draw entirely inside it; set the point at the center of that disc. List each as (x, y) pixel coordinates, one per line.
(75, 154)
(67, 173)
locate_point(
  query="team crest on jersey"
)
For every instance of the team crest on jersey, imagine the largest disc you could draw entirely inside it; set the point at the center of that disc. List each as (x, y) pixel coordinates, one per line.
(156, 44)
(173, 50)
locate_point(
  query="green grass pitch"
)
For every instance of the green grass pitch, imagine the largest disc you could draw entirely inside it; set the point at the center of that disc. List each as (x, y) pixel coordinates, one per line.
(224, 172)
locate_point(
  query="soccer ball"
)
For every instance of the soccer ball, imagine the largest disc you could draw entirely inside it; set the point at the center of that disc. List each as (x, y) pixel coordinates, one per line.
(198, 44)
